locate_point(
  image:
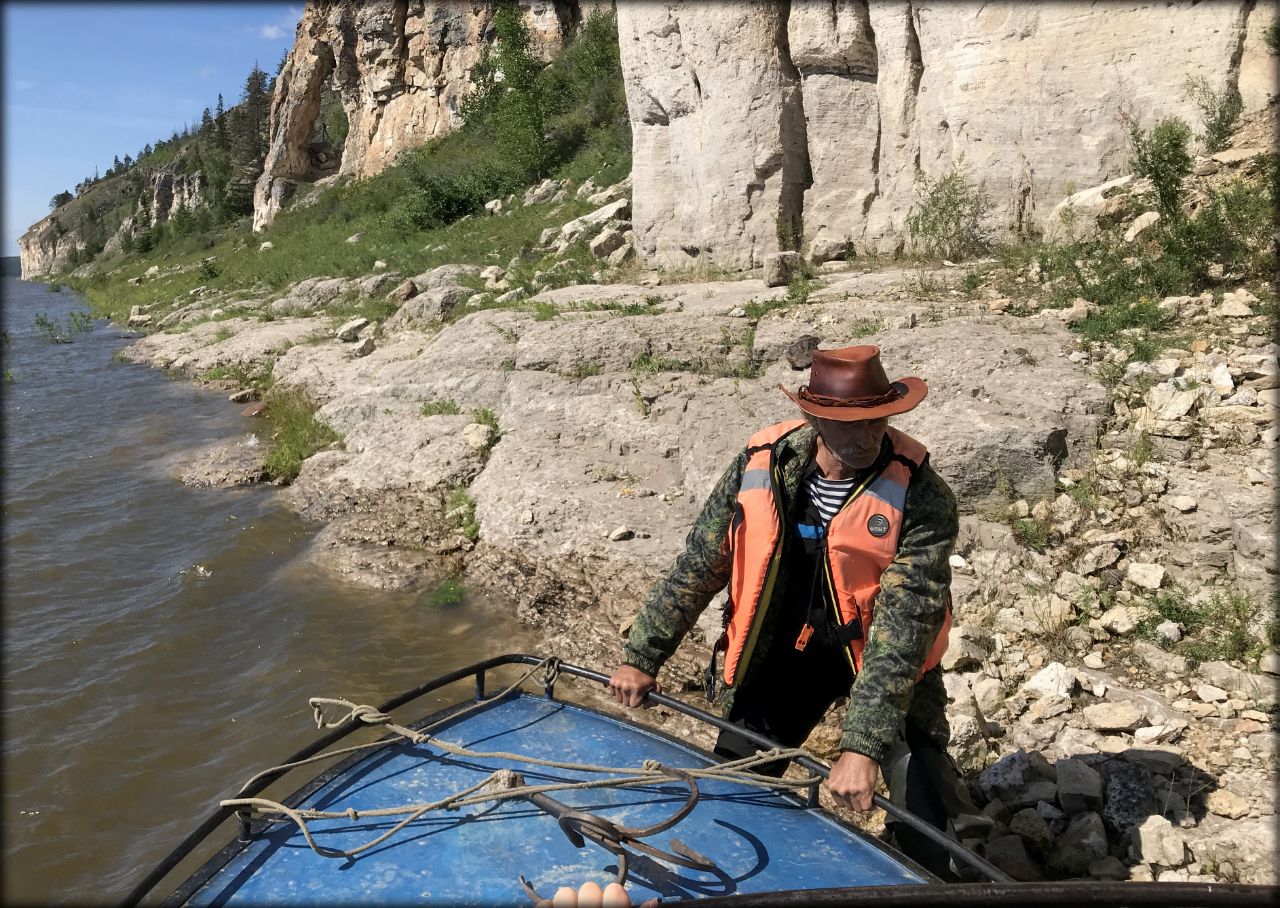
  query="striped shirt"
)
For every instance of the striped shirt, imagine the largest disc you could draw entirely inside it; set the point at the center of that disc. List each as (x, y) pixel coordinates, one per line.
(828, 495)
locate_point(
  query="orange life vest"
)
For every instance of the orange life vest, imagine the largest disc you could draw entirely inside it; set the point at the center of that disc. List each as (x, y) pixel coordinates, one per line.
(862, 540)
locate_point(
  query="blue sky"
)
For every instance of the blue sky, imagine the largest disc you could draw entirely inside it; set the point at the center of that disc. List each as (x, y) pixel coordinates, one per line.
(84, 82)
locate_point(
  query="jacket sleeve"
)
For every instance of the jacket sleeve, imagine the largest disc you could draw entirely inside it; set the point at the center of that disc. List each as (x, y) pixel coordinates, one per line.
(700, 571)
(909, 613)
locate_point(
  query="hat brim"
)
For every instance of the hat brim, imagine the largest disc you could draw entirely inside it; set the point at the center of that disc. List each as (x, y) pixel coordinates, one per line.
(913, 391)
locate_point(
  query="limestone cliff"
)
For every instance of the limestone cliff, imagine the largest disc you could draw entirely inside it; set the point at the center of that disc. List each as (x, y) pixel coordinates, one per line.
(52, 244)
(47, 247)
(747, 117)
(400, 69)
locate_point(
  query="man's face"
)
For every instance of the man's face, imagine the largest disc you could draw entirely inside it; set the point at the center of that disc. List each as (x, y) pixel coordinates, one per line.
(854, 444)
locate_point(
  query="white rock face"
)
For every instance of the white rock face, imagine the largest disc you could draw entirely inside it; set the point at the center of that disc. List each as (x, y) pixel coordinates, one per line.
(401, 70)
(717, 131)
(887, 93)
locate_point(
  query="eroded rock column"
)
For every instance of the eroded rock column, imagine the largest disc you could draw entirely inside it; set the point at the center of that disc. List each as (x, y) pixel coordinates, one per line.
(718, 158)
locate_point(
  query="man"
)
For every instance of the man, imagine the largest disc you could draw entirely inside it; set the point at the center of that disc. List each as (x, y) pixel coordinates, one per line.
(833, 534)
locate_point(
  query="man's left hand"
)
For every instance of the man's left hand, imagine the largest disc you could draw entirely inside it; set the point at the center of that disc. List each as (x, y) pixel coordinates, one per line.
(853, 780)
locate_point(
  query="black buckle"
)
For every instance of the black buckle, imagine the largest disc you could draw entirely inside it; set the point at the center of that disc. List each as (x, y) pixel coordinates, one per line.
(847, 633)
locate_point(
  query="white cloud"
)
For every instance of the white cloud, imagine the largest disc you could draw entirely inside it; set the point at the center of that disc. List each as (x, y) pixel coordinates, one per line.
(271, 31)
(207, 71)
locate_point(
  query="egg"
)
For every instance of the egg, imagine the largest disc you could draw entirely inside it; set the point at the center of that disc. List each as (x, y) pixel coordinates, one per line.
(615, 897)
(565, 897)
(590, 895)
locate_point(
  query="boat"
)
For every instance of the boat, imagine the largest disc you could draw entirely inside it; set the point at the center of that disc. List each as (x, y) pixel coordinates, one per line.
(503, 798)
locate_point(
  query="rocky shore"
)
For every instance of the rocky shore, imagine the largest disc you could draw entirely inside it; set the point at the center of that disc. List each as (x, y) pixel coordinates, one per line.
(1112, 668)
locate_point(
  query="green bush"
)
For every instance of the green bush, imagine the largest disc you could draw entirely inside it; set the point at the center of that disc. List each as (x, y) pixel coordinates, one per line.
(442, 407)
(1032, 532)
(1219, 111)
(1217, 628)
(296, 433)
(946, 220)
(459, 503)
(1160, 154)
(522, 126)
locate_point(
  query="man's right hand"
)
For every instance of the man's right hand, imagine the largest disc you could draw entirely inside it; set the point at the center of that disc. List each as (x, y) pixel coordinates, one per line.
(630, 686)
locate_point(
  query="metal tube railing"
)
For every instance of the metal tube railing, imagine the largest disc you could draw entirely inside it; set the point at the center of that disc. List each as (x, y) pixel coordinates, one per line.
(477, 672)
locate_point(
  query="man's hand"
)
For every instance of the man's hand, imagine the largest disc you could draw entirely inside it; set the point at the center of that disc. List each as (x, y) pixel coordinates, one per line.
(630, 686)
(853, 780)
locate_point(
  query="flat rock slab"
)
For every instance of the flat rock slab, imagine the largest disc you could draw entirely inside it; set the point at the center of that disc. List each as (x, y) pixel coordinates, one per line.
(224, 343)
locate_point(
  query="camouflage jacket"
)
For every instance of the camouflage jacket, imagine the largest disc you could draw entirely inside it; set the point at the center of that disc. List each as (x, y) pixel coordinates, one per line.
(909, 611)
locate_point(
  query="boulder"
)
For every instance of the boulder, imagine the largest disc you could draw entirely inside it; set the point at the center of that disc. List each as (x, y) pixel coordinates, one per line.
(1009, 853)
(1226, 803)
(1158, 842)
(444, 276)
(1158, 659)
(965, 650)
(1033, 829)
(606, 242)
(1129, 795)
(350, 330)
(1079, 787)
(620, 208)
(405, 290)
(1083, 842)
(779, 267)
(1055, 679)
(428, 307)
(1122, 716)
(1141, 224)
(1147, 576)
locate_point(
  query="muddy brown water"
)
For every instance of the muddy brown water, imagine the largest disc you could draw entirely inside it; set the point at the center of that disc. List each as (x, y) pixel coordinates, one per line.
(161, 641)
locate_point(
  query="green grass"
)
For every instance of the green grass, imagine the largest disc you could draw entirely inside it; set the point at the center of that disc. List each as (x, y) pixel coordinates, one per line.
(462, 506)
(410, 215)
(448, 592)
(442, 407)
(1032, 533)
(485, 417)
(585, 370)
(296, 433)
(1216, 628)
(648, 364)
(246, 375)
(1084, 493)
(1143, 450)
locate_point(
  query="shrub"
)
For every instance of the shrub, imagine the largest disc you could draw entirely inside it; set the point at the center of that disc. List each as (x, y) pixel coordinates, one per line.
(1032, 532)
(1271, 35)
(51, 328)
(1219, 111)
(461, 507)
(296, 433)
(1220, 627)
(946, 219)
(442, 407)
(1161, 155)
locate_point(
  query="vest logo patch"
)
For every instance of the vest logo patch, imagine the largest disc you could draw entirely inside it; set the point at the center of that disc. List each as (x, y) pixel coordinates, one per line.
(878, 525)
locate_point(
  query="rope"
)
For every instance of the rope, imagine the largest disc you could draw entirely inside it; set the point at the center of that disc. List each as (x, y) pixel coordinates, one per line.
(498, 786)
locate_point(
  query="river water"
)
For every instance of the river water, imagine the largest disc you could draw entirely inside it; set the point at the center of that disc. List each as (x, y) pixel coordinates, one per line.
(160, 641)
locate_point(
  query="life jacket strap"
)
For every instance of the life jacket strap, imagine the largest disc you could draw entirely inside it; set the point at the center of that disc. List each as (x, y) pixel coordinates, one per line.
(847, 633)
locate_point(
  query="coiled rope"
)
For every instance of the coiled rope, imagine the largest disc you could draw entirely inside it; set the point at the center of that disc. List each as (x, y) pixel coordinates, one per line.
(501, 785)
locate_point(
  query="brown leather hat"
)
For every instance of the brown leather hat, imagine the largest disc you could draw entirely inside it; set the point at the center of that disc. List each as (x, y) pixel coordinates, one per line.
(849, 384)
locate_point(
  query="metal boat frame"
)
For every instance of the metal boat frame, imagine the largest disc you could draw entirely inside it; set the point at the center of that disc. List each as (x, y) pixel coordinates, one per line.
(1000, 890)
